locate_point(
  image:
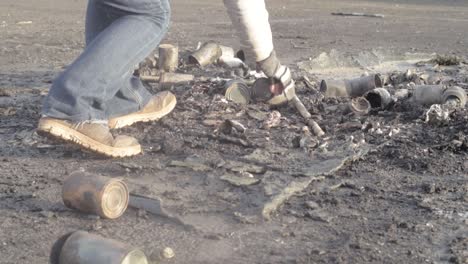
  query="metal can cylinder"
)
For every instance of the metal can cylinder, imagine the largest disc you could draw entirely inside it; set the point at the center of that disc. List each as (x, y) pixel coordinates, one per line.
(428, 94)
(351, 88)
(360, 86)
(379, 98)
(237, 91)
(333, 88)
(261, 90)
(168, 57)
(457, 93)
(208, 53)
(84, 248)
(88, 193)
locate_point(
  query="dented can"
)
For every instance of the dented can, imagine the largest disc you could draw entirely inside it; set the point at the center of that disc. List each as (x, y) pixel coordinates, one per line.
(428, 94)
(379, 98)
(81, 247)
(261, 90)
(88, 193)
(207, 54)
(351, 88)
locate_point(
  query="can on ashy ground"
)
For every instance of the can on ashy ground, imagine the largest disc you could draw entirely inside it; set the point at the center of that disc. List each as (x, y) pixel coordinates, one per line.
(88, 193)
(351, 88)
(208, 53)
(81, 247)
(237, 91)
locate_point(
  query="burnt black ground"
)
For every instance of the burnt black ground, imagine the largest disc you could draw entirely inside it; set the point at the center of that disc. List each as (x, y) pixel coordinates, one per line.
(404, 202)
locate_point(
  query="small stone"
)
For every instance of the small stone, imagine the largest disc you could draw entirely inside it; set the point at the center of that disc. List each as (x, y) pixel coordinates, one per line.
(244, 179)
(312, 205)
(168, 253)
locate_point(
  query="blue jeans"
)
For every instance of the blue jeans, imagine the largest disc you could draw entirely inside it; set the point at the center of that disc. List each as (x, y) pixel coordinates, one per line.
(100, 84)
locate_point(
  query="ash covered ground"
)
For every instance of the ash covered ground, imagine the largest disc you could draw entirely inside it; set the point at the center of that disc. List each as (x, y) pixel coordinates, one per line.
(384, 187)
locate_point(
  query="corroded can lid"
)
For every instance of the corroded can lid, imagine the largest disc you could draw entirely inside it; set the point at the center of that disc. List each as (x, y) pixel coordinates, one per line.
(114, 199)
(237, 91)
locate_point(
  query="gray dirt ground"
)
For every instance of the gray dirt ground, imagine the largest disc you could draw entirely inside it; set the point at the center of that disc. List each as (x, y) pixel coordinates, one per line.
(395, 199)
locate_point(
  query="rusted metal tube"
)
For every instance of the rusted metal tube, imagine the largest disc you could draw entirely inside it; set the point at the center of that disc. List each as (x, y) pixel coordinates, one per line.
(88, 193)
(208, 53)
(428, 94)
(379, 98)
(168, 57)
(237, 91)
(333, 88)
(352, 88)
(455, 93)
(84, 248)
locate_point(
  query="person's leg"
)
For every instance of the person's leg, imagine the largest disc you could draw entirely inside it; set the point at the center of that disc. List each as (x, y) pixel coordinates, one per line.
(120, 33)
(100, 82)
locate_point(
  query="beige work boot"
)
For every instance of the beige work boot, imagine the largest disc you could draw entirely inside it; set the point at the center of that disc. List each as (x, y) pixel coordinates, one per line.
(160, 105)
(92, 136)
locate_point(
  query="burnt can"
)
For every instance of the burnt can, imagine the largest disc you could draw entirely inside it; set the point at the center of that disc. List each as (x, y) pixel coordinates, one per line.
(237, 91)
(427, 94)
(379, 98)
(455, 93)
(352, 87)
(207, 54)
(81, 247)
(94, 194)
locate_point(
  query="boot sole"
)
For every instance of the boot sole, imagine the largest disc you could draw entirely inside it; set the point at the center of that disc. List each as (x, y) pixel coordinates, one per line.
(70, 135)
(131, 119)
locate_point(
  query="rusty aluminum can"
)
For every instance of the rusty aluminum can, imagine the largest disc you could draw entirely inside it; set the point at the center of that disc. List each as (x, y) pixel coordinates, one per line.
(207, 54)
(168, 57)
(237, 91)
(379, 98)
(360, 86)
(352, 88)
(455, 93)
(333, 88)
(88, 193)
(261, 91)
(81, 247)
(427, 94)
